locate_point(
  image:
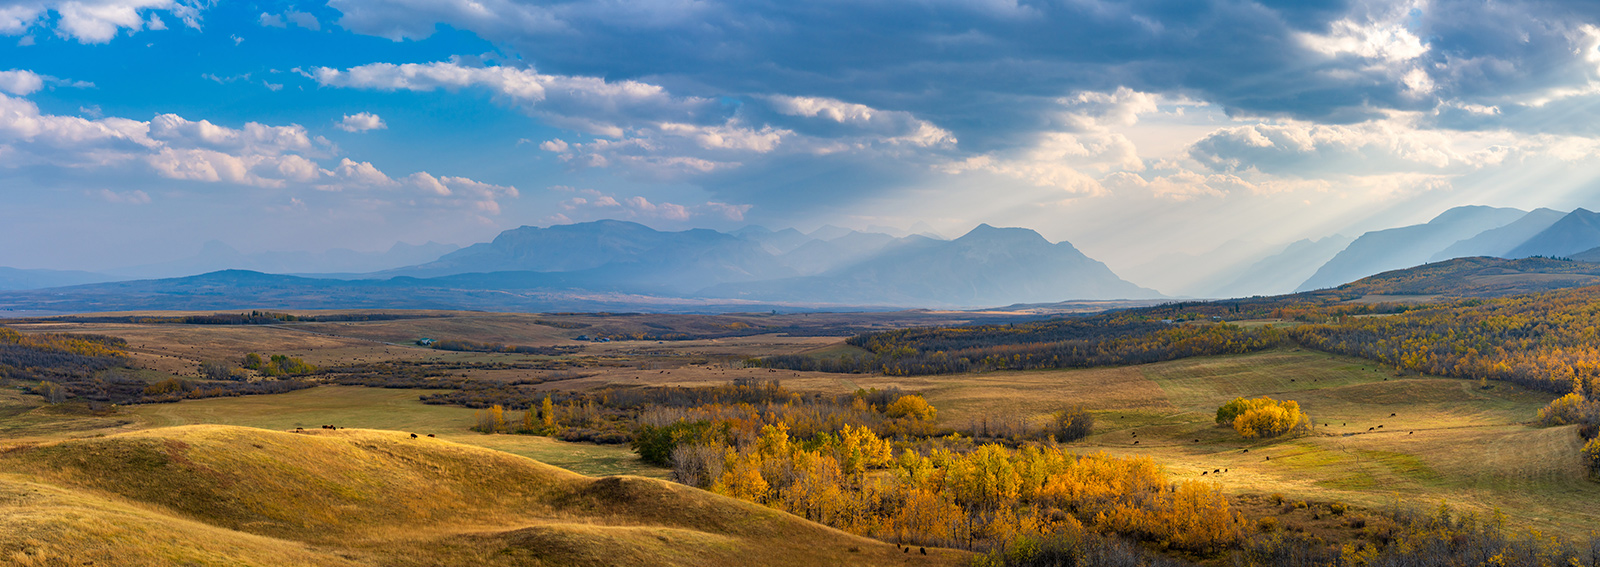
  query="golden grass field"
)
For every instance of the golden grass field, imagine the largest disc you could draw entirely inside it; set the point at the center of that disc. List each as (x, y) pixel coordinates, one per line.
(1441, 440)
(227, 495)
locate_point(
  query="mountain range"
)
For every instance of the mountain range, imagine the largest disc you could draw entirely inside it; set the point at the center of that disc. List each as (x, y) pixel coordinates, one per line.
(616, 264)
(1463, 232)
(620, 265)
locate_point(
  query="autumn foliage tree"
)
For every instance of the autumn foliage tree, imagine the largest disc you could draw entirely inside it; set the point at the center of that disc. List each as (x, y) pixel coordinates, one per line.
(1262, 417)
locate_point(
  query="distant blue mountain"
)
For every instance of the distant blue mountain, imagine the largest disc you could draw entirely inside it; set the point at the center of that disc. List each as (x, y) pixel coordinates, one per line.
(1576, 232)
(1384, 250)
(1498, 242)
(624, 265)
(987, 266)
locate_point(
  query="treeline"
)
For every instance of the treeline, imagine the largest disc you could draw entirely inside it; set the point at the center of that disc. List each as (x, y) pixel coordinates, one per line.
(61, 366)
(1548, 341)
(1055, 344)
(667, 417)
(251, 318)
(278, 365)
(460, 345)
(176, 389)
(58, 358)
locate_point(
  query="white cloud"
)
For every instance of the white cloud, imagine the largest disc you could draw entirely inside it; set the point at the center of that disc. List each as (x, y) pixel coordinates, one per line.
(462, 192)
(588, 104)
(890, 125)
(361, 122)
(730, 212)
(254, 137)
(272, 20)
(95, 21)
(1386, 41)
(255, 155)
(667, 211)
(20, 82)
(1314, 150)
(651, 132)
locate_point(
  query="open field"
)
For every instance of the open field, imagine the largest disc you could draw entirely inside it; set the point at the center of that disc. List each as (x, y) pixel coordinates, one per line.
(1447, 439)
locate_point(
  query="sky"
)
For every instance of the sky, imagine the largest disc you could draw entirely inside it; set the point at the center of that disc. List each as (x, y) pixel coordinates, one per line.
(133, 131)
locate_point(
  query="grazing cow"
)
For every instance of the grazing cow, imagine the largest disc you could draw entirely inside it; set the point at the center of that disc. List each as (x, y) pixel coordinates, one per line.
(923, 550)
(1216, 470)
(1380, 427)
(907, 549)
(1410, 432)
(430, 435)
(1196, 440)
(413, 436)
(1202, 473)
(1135, 442)
(1371, 428)
(1224, 470)
(1269, 457)
(1391, 415)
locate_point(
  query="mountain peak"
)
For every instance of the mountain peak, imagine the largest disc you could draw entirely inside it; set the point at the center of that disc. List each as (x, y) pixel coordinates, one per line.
(989, 233)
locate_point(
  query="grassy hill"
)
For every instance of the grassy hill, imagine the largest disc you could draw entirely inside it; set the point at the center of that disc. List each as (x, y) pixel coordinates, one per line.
(225, 495)
(1477, 277)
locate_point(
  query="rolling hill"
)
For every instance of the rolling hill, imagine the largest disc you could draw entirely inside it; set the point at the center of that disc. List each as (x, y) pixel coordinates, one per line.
(1477, 277)
(224, 495)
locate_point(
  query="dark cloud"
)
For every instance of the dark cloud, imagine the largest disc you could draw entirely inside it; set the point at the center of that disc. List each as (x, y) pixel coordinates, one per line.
(983, 69)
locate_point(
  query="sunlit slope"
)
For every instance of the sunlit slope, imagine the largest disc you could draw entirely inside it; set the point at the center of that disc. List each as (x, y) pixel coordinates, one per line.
(223, 495)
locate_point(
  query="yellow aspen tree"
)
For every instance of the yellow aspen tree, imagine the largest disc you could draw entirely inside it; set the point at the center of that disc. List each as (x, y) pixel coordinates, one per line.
(547, 414)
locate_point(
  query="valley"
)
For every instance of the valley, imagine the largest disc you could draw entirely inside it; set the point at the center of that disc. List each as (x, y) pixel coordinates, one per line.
(1441, 439)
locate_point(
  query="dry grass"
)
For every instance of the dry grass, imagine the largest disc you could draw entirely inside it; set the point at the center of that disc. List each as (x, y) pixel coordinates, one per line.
(1447, 439)
(221, 495)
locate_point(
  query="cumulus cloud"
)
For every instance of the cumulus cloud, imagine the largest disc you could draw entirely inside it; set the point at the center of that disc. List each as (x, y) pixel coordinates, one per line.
(95, 21)
(361, 122)
(254, 155)
(587, 104)
(653, 133)
(20, 82)
(1316, 150)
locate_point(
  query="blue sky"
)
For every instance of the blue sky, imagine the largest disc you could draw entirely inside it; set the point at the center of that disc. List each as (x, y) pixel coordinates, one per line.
(132, 131)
